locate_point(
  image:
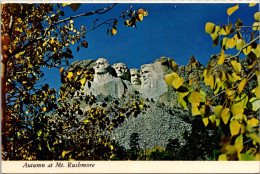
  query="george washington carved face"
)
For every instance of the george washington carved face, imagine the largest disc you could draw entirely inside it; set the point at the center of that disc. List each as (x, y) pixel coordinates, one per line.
(101, 66)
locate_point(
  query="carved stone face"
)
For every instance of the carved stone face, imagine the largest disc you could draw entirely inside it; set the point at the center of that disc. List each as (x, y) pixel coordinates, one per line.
(101, 66)
(120, 68)
(135, 76)
(147, 73)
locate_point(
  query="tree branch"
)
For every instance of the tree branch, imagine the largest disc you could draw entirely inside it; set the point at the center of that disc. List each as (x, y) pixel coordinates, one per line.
(99, 11)
(240, 51)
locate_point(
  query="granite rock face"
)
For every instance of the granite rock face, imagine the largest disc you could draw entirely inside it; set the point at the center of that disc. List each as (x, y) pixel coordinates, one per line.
(163, 119)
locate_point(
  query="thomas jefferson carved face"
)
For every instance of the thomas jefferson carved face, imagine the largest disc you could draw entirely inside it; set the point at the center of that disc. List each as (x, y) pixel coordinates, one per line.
(135, 76)
(101, 66)
(120, 68)
(147, 73)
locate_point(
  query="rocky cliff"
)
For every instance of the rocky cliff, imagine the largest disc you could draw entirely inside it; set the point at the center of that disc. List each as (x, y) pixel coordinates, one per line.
(159, 118)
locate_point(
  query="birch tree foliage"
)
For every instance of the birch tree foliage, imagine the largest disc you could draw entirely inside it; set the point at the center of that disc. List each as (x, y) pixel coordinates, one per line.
(33, 37)
(228, 78)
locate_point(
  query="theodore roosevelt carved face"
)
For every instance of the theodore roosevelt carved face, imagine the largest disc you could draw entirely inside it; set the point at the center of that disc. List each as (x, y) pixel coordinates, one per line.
(135, 76)
(101, 66)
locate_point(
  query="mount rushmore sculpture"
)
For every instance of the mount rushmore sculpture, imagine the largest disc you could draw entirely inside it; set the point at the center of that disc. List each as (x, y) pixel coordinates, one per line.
(156, 124)
(117, 80)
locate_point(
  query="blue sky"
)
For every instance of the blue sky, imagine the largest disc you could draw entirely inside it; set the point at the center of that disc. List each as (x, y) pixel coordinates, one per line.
(170, 30)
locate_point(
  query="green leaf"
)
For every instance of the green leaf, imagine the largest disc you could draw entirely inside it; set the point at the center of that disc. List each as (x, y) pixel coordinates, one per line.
(256, 15)
(232, 9)
(234, 127)
(209, 27)
(225, 115)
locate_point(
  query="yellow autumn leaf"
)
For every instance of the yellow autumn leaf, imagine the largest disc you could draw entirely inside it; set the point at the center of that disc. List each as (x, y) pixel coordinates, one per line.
(247, 50)
(237, 108)
(256, 15)
(232, 9)
(241, 85)
(174, 66)
(254, 137)
(222, 57)
(222, 157)
(195, 111)
(225, 115)
(86, 121)
(82, 81)
(239, 143)
(256, 92)
(177, 82)
(140, 16)
(255, 26)
(79, 73)
(240, 44)
(234, 127)
(212, 118)
(217, 122)
(113, 31)
(252, 122)
(236, 66)
(231, 43)
(212, 82)
(205, 121)
(64, 153)
(252, 4)
(218, 110)
(209, 27)
(169, 78)
(70, 76)
(181, 102)
(194, 97)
